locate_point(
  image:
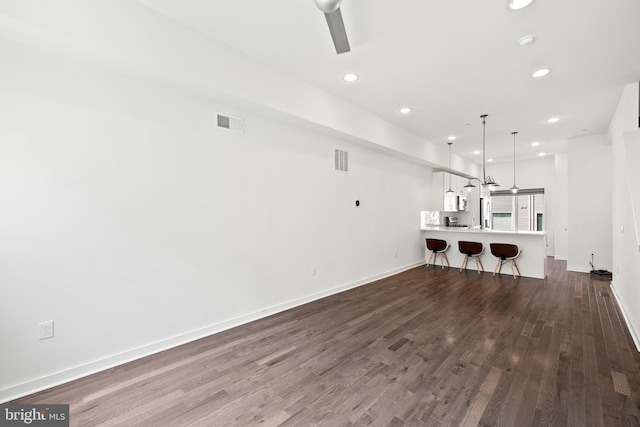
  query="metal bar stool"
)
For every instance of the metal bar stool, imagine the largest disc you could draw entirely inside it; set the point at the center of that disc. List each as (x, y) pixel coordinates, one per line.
(506, 252)
(471, 250)
(437, 247)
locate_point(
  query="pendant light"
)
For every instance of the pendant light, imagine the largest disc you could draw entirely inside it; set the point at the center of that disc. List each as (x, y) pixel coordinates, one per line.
(514, 189)
(469, 186)
(488, 182)
(450, 191)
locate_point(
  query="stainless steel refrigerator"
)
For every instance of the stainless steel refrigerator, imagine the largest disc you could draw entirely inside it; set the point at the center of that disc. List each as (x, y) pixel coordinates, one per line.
(485, 213)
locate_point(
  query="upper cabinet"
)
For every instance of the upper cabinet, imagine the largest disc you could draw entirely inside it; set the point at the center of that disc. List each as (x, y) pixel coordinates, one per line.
(462, 200)
(443, 201)
(450, 202)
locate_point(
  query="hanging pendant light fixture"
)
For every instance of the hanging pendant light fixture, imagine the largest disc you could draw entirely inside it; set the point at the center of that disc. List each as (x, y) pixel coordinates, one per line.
(450, 191)
(514, 189)
(488, 182)
(469, 187)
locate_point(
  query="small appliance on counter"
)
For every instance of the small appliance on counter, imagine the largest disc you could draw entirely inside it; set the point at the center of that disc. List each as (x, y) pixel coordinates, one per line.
(452, 221)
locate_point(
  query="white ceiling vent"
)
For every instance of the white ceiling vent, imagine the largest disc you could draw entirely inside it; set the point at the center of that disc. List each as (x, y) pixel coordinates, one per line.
(341, 160)
(226, 121)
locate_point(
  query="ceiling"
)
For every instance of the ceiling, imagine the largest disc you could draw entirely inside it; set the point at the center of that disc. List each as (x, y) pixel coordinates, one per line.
(449, 61)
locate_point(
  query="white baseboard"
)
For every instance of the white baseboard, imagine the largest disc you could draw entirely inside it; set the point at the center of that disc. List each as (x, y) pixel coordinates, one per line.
(560, 257)
(578, 268)
(67, 375)
(624, 310)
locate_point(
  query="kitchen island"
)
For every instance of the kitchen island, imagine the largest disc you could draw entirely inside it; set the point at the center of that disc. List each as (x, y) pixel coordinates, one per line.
(532, 261)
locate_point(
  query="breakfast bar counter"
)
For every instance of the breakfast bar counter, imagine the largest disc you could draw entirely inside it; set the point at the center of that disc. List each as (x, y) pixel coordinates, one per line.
(532, 261)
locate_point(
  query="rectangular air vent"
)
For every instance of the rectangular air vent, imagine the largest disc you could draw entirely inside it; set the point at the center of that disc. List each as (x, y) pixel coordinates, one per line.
(341, 160)
(228, 122)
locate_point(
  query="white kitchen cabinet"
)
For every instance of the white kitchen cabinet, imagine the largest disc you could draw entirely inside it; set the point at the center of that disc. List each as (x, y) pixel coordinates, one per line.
(440, 200)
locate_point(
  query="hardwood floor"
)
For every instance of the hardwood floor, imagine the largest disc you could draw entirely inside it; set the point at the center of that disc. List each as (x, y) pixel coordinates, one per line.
(427, 347)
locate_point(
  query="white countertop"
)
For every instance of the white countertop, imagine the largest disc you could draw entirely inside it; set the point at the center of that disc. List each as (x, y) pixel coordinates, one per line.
(481, 231)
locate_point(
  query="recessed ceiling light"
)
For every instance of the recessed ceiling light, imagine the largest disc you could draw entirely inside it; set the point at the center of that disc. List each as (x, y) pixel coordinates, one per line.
(405, 110)
(519, 4)
(542, 154)
(553, 119)
(540, 73)
(451, 138)
(476, 152)
(527, 40)
(535, 144)
(351, 77)
(489, 160)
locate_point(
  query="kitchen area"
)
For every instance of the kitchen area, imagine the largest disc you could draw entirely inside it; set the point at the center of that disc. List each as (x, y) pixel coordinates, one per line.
(465, 214)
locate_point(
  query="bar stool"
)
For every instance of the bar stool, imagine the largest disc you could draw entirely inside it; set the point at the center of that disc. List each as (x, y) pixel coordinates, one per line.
(471, 250)
(437, 247)
(505, 252)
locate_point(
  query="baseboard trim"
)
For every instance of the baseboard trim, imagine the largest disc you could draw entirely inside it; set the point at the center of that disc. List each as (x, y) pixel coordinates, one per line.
(578, 268)
(52, 380)
(624, 310)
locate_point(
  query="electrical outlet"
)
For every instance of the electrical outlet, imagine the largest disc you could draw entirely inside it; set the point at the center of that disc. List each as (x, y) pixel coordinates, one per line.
(395, 254)
(45, 330)
(313, 271)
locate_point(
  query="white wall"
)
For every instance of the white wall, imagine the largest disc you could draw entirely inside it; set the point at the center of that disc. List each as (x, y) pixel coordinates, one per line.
(561, 206)
(537, 173)
(623, 131)
(135, 225)
(589, 210)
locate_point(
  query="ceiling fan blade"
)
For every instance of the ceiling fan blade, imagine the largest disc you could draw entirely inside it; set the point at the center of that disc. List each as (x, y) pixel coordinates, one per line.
(338, 32)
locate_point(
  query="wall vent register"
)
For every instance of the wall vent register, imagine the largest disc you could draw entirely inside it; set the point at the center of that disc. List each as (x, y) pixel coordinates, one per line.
(341, 160)
(228, 122)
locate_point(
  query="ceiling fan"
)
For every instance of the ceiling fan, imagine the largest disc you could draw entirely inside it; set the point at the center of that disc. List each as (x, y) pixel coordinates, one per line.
(331, 9)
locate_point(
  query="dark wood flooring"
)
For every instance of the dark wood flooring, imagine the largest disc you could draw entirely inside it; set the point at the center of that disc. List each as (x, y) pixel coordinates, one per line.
(427, 347)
